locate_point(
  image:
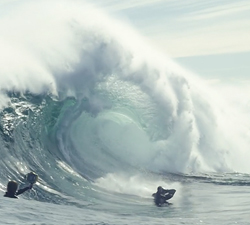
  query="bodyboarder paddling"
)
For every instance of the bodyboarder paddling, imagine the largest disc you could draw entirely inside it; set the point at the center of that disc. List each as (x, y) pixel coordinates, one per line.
(13, 185)
(162, 195)
(12, 189)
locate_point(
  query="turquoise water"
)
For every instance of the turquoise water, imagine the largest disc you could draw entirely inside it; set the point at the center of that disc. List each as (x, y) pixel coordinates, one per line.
(198, 203)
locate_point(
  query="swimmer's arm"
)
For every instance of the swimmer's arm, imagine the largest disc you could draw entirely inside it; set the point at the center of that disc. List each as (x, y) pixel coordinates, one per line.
(20, 191)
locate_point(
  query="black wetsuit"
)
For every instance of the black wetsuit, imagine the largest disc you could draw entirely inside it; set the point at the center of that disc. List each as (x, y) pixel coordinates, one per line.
(20, 191)
(161, 198)
(158, 198)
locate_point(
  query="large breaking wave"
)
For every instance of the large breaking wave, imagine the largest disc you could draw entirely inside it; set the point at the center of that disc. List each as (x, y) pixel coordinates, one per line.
(84, 99)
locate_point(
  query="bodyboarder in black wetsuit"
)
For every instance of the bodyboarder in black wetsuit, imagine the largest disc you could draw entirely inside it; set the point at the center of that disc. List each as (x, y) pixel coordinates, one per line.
(162, 195)
(12, 189)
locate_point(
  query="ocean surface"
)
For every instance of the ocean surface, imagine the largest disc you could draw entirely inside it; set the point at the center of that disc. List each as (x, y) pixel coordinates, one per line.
(104, 119)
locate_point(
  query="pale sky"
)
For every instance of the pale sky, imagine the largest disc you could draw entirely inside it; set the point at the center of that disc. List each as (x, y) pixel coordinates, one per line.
(188, 27)
(211, 37)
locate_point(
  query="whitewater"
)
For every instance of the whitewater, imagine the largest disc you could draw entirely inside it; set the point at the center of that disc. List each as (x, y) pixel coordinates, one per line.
(104, 118)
